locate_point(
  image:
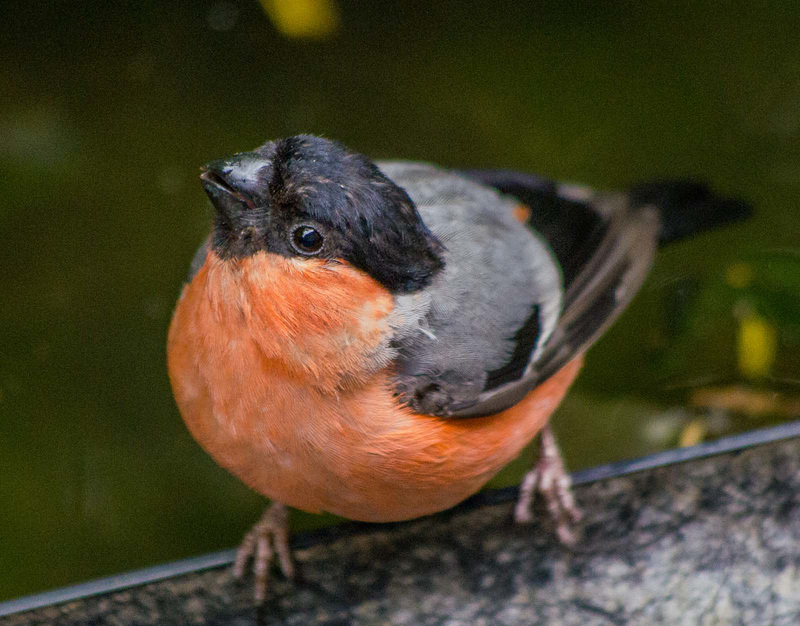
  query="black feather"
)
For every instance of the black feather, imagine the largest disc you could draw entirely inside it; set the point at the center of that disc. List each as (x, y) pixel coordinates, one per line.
(525, 341)
(363, 217)
(572, 229)
(687, 207)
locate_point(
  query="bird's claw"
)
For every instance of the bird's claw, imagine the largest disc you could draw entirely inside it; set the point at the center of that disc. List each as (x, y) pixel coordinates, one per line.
(549, 478)
(266, 540)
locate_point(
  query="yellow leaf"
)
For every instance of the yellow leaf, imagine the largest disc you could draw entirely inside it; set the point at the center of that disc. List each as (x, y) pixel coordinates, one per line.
(693, 433)
(757, 345)
(315, 19)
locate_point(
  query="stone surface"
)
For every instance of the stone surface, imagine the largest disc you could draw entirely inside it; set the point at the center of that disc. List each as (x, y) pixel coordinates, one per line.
(715, 541)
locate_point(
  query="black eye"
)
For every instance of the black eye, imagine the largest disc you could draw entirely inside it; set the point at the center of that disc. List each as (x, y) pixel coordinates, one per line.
(306, 240)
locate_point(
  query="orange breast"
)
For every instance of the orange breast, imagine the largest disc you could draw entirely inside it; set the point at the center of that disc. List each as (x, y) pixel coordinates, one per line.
(279, 371)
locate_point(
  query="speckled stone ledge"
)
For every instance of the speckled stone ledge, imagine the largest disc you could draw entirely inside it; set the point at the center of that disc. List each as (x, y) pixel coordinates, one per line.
(715, 541)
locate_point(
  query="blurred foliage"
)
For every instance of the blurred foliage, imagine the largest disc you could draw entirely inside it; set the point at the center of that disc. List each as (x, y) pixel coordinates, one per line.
(303, 18)
(108, 109)
(745, 325)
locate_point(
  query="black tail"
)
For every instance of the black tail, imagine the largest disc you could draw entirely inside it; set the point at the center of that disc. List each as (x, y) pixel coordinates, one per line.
(688, 207)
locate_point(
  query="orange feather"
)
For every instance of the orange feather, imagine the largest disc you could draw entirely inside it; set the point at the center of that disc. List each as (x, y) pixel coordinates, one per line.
(281, 370)
(522, 213)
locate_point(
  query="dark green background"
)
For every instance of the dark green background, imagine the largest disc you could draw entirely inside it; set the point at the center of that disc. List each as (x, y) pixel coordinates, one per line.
(106, 113)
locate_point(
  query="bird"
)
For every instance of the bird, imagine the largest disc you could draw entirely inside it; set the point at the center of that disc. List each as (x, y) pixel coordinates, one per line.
(377, 339)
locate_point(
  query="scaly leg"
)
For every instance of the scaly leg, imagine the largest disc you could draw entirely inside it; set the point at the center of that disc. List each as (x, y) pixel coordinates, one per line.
(549, 478)
(269, 536)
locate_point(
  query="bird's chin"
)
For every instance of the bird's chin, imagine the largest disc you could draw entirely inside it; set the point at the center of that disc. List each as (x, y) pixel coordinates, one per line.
(238, 243)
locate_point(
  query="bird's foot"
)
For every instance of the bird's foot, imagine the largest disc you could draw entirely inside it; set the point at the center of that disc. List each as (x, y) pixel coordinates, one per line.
(549, 478)
(267, 539)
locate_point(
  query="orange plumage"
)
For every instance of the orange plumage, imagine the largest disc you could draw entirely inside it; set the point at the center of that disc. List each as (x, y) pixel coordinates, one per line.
(277, 369)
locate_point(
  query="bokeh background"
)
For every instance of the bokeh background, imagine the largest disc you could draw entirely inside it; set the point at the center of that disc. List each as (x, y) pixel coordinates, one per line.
(108, 109)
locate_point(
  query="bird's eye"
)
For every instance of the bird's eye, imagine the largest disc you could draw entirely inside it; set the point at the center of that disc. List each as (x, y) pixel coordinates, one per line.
(306, 240)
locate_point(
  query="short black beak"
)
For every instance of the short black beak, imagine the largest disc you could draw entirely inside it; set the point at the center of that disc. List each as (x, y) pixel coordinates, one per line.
(233, 184)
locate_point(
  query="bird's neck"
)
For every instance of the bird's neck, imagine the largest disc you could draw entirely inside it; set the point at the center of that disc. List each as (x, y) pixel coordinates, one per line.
(323, 322)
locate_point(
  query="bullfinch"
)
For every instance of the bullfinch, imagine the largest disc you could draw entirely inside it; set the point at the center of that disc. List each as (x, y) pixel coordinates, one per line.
(378, 339)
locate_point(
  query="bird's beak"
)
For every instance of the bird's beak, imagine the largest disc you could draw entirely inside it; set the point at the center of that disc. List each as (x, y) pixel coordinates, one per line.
(233, 184)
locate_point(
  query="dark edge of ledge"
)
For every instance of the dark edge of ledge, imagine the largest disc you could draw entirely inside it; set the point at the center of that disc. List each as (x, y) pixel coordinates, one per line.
(222, 558)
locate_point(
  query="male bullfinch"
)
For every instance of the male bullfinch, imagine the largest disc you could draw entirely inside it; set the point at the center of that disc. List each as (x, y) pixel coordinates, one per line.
(378, 340)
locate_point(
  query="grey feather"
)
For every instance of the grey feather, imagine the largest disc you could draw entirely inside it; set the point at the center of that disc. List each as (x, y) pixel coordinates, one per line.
(198, 260)
(453, 333)
(594, 299)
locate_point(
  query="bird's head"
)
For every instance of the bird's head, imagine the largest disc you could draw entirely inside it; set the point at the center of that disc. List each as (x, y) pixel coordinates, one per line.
(311, 198)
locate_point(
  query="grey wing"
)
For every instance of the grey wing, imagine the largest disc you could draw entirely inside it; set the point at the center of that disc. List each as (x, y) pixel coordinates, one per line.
(605, 245)
(488, 313)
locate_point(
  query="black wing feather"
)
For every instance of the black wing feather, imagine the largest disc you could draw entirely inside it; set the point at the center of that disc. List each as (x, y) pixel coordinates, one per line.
(573, 229)
(605, 247)
(524, 344)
